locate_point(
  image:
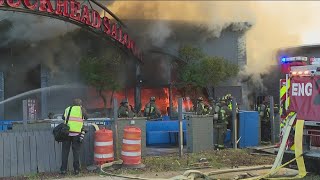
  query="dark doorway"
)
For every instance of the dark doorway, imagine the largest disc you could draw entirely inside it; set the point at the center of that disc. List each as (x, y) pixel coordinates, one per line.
(19, 79)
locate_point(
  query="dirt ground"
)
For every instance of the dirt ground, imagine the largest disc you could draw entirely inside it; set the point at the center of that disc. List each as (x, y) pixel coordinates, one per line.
(170, 174)
(169, 166)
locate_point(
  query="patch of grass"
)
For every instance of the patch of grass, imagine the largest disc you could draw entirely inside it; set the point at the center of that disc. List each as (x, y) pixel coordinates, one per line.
(216, 159)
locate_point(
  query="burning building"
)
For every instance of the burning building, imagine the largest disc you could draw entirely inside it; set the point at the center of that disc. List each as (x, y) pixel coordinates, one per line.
(27, 65)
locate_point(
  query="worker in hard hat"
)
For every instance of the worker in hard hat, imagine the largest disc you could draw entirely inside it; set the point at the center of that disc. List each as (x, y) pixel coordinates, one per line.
(73, 116)
(201, 108)
(124, 110)
(221, 124)
(151, 110)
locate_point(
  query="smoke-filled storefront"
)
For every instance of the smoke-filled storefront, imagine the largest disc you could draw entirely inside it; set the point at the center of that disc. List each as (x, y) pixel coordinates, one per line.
(48, 66)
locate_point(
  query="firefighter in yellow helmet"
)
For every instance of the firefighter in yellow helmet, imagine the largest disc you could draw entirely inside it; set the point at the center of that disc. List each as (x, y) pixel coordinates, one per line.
(151, 110)
(73, 116)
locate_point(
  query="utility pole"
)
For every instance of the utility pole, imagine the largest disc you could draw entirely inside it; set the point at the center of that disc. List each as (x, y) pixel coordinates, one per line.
(273, 135)
(180, 127)
(115, 121)
(234, 123)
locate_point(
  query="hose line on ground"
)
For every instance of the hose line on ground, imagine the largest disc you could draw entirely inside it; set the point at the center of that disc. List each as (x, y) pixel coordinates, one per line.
(187, 175)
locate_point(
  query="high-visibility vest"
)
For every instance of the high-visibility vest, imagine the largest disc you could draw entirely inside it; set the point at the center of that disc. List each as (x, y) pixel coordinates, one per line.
(75, 122)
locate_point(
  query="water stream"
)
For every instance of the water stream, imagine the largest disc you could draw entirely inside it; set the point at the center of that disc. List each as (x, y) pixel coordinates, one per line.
(50, 88)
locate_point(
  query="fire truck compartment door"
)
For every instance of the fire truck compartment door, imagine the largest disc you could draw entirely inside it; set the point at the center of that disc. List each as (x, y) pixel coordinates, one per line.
(305, 97)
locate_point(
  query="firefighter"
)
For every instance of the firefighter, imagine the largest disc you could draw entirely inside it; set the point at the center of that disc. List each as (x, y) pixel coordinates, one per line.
(264, 114)
(76, 115)
(201, 108)
(212, 106)
(221, 125)
(151, 110)
(124, 110)
(228, 99)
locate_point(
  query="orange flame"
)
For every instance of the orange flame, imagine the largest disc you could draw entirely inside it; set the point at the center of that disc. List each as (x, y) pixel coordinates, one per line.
(94, 101)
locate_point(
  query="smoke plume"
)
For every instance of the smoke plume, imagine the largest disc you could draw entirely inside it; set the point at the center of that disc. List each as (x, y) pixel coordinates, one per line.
(29, 27)
(275, 24)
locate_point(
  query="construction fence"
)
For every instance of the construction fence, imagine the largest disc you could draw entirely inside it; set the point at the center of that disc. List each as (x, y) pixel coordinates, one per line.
(36, 151)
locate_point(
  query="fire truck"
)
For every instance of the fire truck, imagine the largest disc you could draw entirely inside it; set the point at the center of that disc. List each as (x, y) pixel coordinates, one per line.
(300, 95)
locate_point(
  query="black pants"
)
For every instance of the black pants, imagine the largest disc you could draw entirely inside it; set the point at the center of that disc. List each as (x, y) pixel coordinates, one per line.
(74, 140)
(265, 131)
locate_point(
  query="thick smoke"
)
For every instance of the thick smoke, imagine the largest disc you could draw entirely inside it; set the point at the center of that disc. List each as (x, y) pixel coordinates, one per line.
(211, 15)
(275, 25)
(159, 32)
(33, 28)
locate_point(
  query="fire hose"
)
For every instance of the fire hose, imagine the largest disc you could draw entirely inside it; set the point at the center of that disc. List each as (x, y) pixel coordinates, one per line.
(298, 154)
(193, 174)
(187, 175)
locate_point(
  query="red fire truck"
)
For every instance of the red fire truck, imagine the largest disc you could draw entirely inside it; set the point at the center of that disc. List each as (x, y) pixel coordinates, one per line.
(300, 94)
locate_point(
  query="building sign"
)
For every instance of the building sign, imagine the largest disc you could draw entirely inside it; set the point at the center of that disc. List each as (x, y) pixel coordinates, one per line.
(314, 61)
(74, 11)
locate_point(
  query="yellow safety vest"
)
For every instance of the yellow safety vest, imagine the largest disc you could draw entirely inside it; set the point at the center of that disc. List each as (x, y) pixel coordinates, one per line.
(75, 120)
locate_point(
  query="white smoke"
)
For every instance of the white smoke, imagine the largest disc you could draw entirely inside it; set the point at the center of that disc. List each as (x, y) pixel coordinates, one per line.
(159, 32)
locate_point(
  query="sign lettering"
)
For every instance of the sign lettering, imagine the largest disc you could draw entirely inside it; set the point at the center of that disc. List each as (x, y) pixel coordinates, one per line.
(301, 89)
(72, 9)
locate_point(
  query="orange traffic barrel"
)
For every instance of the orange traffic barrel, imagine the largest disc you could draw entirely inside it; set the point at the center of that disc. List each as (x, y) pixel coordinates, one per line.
(131, 146)
(103, 146)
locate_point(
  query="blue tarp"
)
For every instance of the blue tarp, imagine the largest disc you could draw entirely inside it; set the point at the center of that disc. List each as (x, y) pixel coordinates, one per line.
(164, 132)
(5, 125)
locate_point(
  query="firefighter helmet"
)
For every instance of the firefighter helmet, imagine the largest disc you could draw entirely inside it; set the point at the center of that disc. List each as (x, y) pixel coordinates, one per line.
(200, 99)
(124, 101)
(152, 98)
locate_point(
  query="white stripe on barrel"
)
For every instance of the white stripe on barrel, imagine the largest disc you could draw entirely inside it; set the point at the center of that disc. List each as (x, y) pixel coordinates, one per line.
(130, 154)
(103, 155)
(108, 143)
(126, 141)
